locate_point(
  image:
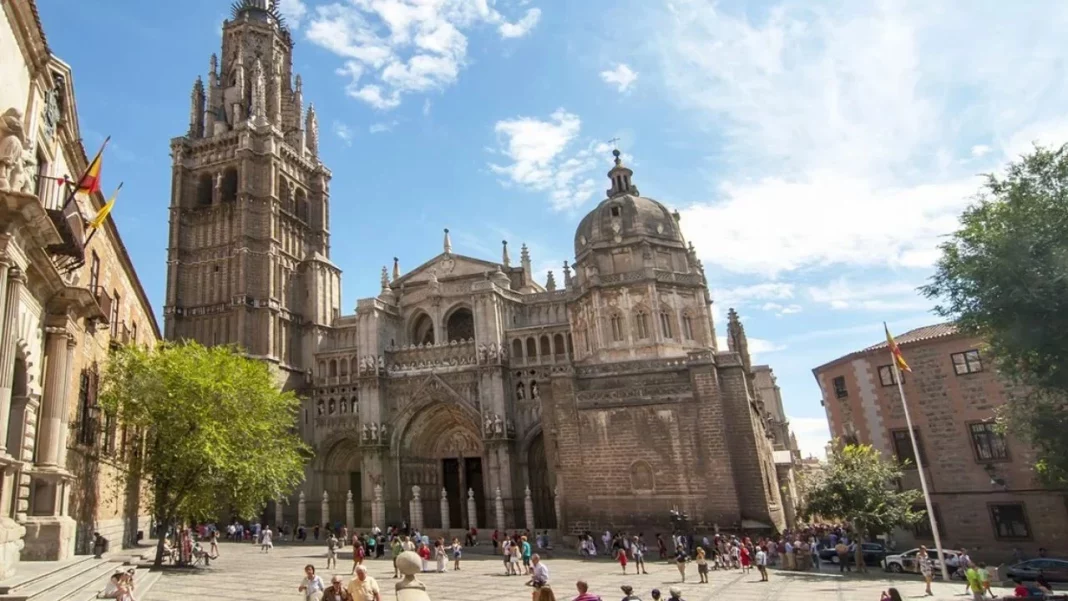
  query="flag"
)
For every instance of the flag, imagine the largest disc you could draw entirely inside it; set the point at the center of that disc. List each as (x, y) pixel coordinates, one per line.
(102, 214)
(90, 181)
(895, 351)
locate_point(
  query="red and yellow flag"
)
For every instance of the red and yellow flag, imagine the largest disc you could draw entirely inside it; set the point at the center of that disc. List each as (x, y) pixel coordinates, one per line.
(102, 214)
(90, 181)
(899, 359)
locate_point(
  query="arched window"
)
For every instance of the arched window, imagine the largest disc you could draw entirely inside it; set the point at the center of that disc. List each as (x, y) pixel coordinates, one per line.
(333, 368)
(616, 324)
(687, 326)
(546, 350)
(204, 191)
(302, 204)
(517, 349)
(460, 325)
(229, 185)
(422, 330)
(322, 368)
(665, 324)
(283, 193)
(641, 324)
(558, 345)
(343, 368)
(532, 349)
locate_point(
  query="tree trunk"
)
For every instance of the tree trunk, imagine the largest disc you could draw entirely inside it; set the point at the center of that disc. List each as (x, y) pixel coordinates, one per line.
(161, 534)
(859, 554)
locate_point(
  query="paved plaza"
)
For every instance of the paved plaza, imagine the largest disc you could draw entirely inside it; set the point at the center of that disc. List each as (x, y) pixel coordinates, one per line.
(242, 572)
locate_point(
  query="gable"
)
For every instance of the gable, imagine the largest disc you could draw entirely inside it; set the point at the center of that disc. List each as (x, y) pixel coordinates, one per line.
(447, 266)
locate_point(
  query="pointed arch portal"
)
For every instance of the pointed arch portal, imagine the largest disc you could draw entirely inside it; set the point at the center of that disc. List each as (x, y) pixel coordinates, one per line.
(441, 447)
(341, 473)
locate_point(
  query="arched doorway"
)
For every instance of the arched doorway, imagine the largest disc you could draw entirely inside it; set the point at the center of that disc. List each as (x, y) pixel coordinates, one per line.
(460, 325)
(541, 487)
(422, 331)
(441, 448)
(341, 473)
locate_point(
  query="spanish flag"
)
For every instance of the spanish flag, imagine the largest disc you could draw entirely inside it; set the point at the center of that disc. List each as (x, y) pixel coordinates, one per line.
(90, 181)
(102, 214)
(899, 359)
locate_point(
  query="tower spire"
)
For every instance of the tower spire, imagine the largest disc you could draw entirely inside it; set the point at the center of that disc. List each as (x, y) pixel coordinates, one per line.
(550, 282)
(505, 259)
(524, 259)
(196, 110)
(311, 128)
(620, 177)
(396, 269)
(448, 242)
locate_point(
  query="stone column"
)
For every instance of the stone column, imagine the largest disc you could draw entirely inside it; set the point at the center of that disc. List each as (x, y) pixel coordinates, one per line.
(54, 403)
(14, 283)
(278, 517)
(302, 512)
(556, 508)
(324, 517)
(528, 509)
(498, 508)
(417, 509)
(350, 511)
(472, 509)
(444, 509)
(64, 422)
(378, 508)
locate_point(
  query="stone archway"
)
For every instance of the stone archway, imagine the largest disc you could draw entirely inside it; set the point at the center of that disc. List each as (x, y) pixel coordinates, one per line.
(441, 447)
(342, 472)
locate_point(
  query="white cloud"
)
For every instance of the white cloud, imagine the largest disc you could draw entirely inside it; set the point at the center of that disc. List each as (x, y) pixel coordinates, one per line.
(812, 435)
(546, 157)
(293, 11)
(780, 310)
(426, 107)
(872, 296)
(757, 346)
(843, 126)
(397, 47)
(344, 132)
(980, 150)
(622, 76)
(378, 128)
(521, 27)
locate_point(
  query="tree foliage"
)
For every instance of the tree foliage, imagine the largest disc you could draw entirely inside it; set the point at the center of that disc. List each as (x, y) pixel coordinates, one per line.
(857, 486)
(1003, 276)
(219, 431)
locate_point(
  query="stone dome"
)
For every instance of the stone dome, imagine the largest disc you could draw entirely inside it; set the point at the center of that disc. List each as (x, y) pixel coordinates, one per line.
(625, 217)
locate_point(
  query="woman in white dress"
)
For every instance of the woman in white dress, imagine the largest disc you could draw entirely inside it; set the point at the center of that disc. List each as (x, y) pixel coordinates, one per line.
(266, 542)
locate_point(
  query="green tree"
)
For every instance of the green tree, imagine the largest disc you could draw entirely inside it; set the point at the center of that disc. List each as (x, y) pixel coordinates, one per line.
(857, 486)
(1003, 277)
(219, 431)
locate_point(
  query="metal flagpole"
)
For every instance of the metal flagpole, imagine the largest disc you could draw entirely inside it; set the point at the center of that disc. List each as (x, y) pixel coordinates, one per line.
(919, 469)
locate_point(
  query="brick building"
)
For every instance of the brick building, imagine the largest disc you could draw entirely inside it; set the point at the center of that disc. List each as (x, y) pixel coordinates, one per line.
(64, 300)
(985, 495)
(466, 392)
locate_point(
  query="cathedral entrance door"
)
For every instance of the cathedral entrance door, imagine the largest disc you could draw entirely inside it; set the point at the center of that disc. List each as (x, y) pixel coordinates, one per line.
(441, 448)
(541, 489)
(341, 474)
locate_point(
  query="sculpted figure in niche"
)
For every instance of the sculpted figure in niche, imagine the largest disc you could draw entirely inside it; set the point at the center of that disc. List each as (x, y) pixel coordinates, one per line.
(488, 425)
(319, 408)
(332, 407)
(374, 432)
(520, 392)
(344, 406)
(498, 425)
(534, 394)
(12, 141)
(383, 432)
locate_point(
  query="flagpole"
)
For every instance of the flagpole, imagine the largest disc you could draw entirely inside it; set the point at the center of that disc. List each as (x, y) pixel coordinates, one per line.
(919, 470)
(96, 157)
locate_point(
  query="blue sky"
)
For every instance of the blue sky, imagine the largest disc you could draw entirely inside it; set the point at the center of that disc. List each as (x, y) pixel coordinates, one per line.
(816, 150)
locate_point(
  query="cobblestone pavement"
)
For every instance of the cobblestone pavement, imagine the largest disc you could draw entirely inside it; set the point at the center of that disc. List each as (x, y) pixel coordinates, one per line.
(242, 572)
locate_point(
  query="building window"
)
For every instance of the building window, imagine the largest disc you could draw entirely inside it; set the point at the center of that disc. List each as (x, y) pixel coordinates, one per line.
(115, 312)
(840, 390)
(687, 327)
(109, 433)
(886, 376)
(87, 408)
(665, 323)
(641, 325)
(1010, 522)
(94, 273)
(903, 448)
(617, 327)
(922, 529)
(988, 443)
(133, 333)
(615, 209)
(967, 362)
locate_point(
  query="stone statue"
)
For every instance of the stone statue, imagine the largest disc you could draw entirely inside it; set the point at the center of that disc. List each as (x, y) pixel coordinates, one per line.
(348, 497)
(326, 497)
(12, 145)
(488, 425)
(374, 432)
(534, 391)
(471, 494)
(366, 432)
(383, 433)
(319, 408)
(503, 353)
(381, 364)
(498, 425)
(483, 354)
(520, 392)
(332, 407)
(410, 589)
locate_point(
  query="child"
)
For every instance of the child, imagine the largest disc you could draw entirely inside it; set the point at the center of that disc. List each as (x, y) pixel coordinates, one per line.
(331, 552)
(457, 551)
(621, 556)
(984, 576)
(702, 565)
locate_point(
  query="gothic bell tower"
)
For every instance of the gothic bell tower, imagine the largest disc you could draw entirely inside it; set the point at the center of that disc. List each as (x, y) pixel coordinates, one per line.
(248, 259)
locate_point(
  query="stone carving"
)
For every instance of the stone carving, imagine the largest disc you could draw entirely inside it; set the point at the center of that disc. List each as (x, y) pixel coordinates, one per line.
(319, 408)
(520, 392)
(14, 165)
(384, 433)
(498, 427)
(375, 433)
(534, 391)
(528, 508)
(410, 589)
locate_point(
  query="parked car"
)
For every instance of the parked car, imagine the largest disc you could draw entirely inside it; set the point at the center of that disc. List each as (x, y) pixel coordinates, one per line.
(1055, 570)
(906, 562)
(873, 554)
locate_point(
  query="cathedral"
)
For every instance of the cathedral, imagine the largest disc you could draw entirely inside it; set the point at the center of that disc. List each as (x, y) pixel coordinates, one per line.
(466, 393)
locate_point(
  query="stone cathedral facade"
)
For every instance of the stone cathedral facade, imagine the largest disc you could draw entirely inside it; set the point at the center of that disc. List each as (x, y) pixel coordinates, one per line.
(601, 401)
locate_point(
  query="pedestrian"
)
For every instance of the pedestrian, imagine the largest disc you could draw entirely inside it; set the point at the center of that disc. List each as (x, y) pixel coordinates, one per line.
(584, 592)
(702, 565)
(762, 564)
(514, 555)
(743, 557)
(621, 557)
(312, 585)
(676, 594)
(364, 587)
(100, 545)
(266, 540)
(331, 552)
(975, 582)
(890, 595)
(638, 550)
(440, 555)
(680, 562)
(842, 550)
(661, 547)
(424, 554)
(964, 563)
(337, 590)
(214, 547)
(526, 553)
(984, 577)
(926, 566)
(628, 593)
(655, 594)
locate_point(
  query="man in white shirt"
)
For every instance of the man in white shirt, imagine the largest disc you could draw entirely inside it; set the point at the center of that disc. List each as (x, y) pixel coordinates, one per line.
(540, 574)
(762, 564)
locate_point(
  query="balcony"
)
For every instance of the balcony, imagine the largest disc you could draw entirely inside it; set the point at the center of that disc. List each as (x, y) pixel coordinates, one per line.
(67, 221)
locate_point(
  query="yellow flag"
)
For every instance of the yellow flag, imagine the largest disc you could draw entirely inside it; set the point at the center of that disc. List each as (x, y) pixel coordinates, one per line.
(899, 358)
(104, 211)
